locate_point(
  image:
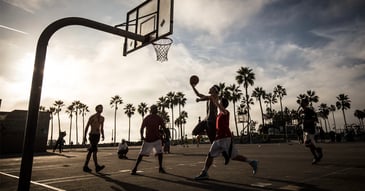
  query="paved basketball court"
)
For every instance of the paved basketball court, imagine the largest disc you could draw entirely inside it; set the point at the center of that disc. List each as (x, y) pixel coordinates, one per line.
(281, 167)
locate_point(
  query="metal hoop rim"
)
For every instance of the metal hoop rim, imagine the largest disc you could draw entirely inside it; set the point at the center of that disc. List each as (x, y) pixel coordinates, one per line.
(170, 41)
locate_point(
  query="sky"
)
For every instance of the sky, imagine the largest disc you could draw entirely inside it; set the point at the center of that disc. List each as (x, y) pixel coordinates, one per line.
(300, 45)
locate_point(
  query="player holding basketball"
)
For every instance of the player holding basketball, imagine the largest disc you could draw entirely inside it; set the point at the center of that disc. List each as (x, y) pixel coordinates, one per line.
(223, 143)
(309, 124)
(208, 124)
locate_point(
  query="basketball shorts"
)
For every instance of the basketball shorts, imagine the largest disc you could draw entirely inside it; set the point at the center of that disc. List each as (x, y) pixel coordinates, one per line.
(148, 148)
(222, 145)
(94, 140)
(308, 139)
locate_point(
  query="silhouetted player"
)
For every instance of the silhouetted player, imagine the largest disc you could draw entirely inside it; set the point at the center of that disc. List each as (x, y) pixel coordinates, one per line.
(309, 124)
(96, 122)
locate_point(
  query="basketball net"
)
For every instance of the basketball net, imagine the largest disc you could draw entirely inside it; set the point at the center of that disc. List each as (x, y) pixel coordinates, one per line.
(162, 47)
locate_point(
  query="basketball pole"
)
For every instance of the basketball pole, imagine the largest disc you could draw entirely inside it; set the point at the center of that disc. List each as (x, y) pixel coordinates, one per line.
(36, 88)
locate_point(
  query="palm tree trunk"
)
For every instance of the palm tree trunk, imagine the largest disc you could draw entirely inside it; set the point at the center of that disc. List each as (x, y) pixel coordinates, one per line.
(344, 118)
(129, 130)
(172, 121)
(262, 113)
(248, 116)
(235, 117)
(52, 131)
(334, 121)
(83, 125)
(69, 140)
(282, 120)
(77, 130)
(115, 122)
(59, 123)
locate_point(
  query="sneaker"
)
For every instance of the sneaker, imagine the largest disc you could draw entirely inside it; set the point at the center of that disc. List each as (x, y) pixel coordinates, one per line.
(86, 169)
(254, 165)
(315, 160)
(99, 168)
(161, 170)
(203, 176)
(134, 172)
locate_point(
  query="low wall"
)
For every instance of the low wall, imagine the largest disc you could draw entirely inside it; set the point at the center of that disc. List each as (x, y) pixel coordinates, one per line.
(12, 128)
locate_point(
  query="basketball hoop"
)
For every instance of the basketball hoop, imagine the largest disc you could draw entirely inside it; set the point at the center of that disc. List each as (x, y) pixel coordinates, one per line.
(162, 47)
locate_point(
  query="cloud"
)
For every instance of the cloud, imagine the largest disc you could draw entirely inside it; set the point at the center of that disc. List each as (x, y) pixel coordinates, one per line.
(29, 6)
(12, 29)
(214, 20)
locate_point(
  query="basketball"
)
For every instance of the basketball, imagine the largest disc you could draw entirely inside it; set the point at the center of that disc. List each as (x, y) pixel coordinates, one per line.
(194, 80)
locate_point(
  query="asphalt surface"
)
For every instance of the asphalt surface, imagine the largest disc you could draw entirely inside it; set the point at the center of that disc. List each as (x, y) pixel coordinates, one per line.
(281, 167)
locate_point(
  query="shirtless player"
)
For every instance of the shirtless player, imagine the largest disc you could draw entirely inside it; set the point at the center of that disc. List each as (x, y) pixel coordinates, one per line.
(96, 122)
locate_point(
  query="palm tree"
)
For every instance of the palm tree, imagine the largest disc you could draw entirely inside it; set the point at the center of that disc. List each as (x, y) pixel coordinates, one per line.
(180, 121)
(280, 92)
(246, 77)
(172, 101)
(222, 90)
(58, 104)
(114, 102)
(183, 117)
(343, 103)
(84, 109)
(243, 109)
(164, 115)
(313, 98)
(129, 111)
(259, 94)
(70, 110)
(270, 99)
(360, 115)
(324, 112)
(51, 111)
(301, 97)
(142, 109)
(332, 108)
(235, 95)
(77, 107)
(181, 101)
(162, 103)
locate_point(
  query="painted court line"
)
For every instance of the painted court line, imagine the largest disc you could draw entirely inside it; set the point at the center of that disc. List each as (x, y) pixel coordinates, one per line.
(68, 178)
(33, 182)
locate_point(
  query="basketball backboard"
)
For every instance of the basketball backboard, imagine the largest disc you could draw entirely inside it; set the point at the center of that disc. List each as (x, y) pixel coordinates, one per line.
(152, 19)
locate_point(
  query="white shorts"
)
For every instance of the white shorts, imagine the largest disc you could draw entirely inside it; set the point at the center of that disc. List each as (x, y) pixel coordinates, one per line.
(220, 145)
(151, 148)
(309, 139)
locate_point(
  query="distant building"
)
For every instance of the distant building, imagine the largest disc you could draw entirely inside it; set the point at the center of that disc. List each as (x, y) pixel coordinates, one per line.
(12, 128)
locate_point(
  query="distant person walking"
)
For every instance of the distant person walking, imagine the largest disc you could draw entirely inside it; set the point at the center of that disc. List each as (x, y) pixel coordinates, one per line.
(96, 122)
(208, 124)
(60, 142)
(309, 120)
(152, 142)
(223, 143)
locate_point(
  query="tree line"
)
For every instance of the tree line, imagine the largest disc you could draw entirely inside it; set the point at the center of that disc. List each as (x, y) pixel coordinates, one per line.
(242, 102)
(78, 108)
